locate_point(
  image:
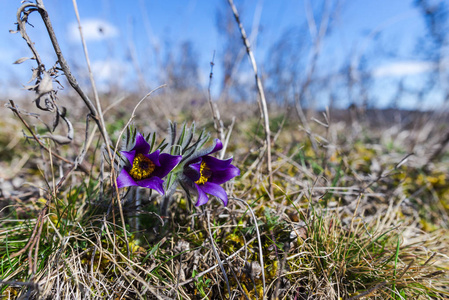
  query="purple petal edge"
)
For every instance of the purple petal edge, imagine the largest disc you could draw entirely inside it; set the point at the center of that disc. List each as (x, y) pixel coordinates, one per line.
(222, 176)
(218, 146)
(154, 183)
(202, 197)
(215, 190)
(141, 145)
(124, 179)
(216, 164)
(129, 155)
(167, 163)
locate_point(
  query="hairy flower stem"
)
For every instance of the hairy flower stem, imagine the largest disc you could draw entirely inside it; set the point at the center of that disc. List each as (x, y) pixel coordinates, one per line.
(165, 203)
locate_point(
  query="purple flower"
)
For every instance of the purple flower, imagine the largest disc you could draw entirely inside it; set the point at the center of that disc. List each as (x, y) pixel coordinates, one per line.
(207, 173)
(146, 170)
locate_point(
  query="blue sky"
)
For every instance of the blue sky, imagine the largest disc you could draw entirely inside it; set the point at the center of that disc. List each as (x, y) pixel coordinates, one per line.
(149, 25)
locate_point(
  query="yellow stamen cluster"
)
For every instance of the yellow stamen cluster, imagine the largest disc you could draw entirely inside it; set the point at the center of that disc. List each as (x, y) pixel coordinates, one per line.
(142, 167)
(205, 174)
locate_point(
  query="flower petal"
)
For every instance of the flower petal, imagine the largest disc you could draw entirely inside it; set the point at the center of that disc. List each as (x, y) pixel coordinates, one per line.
(154, 183)
(202, 197)
(154, 157)
(129, 155)
(124, 179)
(141, 145)
(196, 166)
(216, 164)
(218, 146)
(216, 190)
(167, 163)
(193, 171)
(222, 176)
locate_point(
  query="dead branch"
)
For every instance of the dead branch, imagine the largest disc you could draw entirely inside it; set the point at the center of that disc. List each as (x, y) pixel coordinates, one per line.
(17, 113)
(39, 6)
(261, 100)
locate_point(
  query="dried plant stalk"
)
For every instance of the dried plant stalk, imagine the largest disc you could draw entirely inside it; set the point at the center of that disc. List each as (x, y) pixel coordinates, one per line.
(261, 100)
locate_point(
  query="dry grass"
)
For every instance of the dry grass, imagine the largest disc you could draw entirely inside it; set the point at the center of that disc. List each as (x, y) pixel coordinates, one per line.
(350, 219)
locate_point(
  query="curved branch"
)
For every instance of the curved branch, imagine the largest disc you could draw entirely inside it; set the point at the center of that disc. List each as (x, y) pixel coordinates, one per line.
(22, 16)
(17, 113)
(21, 21)
(62, 62)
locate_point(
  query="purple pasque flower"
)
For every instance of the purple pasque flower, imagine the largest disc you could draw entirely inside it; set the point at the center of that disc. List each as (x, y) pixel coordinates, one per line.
(207, 173)
(146, 169)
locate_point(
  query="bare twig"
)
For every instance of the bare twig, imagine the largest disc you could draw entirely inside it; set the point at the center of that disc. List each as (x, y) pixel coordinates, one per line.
(220, 263)
(62, 62)
(261, 100)
(218, 123)
(133, 115)
(92, 81)
(101, 123)
(214, 266)
(16, 112)
(21, 22)
(239, 57)
(259, 241)
(226, 141)
(317, 37)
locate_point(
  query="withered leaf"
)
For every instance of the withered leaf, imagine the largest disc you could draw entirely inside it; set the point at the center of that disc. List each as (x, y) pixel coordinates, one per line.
(62, 140)
(34, 76)
(21, 60)
(29, 87)
(46, 84)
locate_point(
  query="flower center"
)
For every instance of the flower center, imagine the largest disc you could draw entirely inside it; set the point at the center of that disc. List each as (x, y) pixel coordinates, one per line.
(142, 167)
(205, 173)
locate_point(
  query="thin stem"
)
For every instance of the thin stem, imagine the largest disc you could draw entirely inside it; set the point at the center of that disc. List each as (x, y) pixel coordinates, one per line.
(261, 100)
(220, 263)
(101, 122)
(259, 241)
(218, 124)
(17, 113)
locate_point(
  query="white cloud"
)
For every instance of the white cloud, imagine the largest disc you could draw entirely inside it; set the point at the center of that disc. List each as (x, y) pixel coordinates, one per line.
(93, 30)
(110, 73)
(404, 68)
